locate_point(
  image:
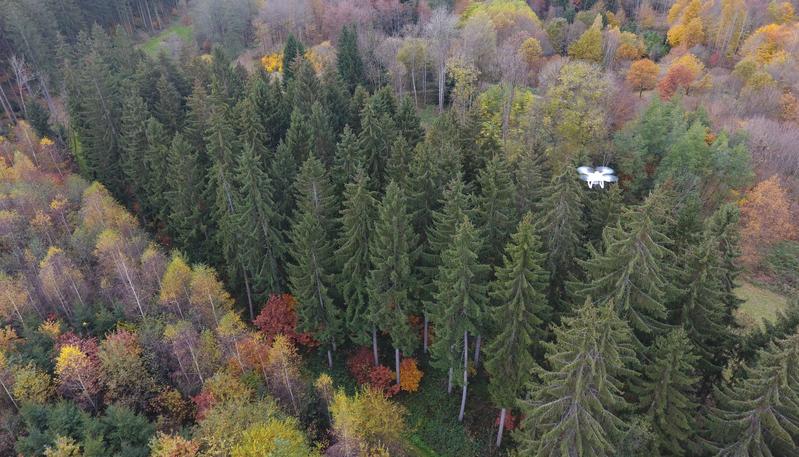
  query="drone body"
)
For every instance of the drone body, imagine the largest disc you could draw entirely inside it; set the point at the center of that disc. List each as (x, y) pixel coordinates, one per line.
(597, 177)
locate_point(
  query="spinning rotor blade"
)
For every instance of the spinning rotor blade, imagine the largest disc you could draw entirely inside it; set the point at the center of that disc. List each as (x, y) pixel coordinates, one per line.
(609, 178)
(583, 177)
(605, 170)
(585, 170)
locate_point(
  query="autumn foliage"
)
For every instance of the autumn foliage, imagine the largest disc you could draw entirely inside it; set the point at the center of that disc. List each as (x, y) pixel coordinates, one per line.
(279, 317)
(410, 375)
(643, 75)
(766, 218)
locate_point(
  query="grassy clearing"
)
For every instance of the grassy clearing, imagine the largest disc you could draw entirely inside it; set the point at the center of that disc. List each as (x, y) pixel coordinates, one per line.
(153, 45)
(759, 304)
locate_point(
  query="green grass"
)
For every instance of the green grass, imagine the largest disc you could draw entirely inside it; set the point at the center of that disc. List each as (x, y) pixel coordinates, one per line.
(153, 45)
(759, 304)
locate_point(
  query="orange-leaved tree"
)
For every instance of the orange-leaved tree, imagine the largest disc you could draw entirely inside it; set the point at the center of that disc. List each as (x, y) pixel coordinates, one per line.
(643, 75)
(766, 218)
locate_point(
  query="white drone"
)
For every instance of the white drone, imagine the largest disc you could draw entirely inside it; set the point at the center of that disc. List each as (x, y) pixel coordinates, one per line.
(597, 177)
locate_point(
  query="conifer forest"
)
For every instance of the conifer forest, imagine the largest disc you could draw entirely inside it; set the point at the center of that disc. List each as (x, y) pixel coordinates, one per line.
(357, 228)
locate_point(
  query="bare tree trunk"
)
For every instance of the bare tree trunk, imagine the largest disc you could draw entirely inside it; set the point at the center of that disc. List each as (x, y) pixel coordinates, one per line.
(374, 344)
(196, 364)
(477, 350)
(449, 381)
(329, 358)
(442, 72)
(249, 293)
(501, 426)
(413, 83)
(465, 374)
(7, 105)
(288, 386)
(425, 336)
(397, 363)
(16, 309)
(10, 397)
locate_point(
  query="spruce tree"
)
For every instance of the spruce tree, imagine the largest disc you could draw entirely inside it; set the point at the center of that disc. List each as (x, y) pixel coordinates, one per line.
(723, 228)
(282, 172)
(133, 142)
(522, 309)
(357, 220)
(456, 203)
(169, 107)
(461, 296)
(408, 122)
(186, 220)
(305, 89)
(399, 161)
(666, 395)
(155, 162)
(322, 137)
(529, 181)
(431, 169)
(699, 308)
(603, 211)
(359, 100)
(348, 160)
(292, 49)
(633, 269)
(261, 242)
(299, 138)
(759, 416)
(391, 282)
(574, 410)
(350, 65)
(374, 140)
(335, 100)
(196, 123)
(496, 210)
(562, 229)
(311, 268)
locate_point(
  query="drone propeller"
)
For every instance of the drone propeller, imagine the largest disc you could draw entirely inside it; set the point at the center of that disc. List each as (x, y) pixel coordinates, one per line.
(585, 170)
(609, 178)
(605, 170)
(584, 178)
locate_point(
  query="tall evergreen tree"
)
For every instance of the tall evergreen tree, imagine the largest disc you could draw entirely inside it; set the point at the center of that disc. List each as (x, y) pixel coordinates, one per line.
(562, 229)
(520, 315)
(633, 269)
(186, 219)
(335, 100)
(723, 228)
(261, 245)
(408, 122)
(292, 49)
(155, 161)
(304, 89)
(575, 409)
(375, 140)
(323, 139)
(133, 141)
(456, 204)
(391, 281)
(700, 309)
(431, 170)
(529, 179)
(282, 172)
(348, 160)
(311, 268)
(169, 107)
(251, 133)
(398, 165)
(461, 294)
(299, 137)
(496, 211)
(357, 221)
(603, 211)
(350, 65)
(359, 100)
(196, 123)
(667, 393)
(760, 415)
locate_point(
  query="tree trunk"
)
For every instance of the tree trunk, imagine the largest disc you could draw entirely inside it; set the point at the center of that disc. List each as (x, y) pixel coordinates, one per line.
(465, 374)
(249, 293)
(477, 350)
(449, 381)
(501, 426)
(397, 363)
(425, 336)
(329, 358)
(10, 397)
(442, 72)
(7, 106)
(374, 344)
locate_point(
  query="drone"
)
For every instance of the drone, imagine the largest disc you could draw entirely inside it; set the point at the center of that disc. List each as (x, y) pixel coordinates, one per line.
(597, 177)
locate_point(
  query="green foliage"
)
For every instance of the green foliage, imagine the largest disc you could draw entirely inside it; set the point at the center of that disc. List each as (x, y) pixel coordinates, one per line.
(575, 408)
(460, 300)
(350, 65)
(667, 393)
(292, 49)
(520, 314)
(496, 211)
(392, 252)
(357, 222)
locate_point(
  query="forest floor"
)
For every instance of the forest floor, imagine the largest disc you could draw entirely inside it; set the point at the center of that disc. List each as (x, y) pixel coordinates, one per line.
(176, 31)
(759, 304)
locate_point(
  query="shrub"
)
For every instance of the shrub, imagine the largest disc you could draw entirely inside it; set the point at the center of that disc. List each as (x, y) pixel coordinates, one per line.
(410, 375)
(360, 365)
